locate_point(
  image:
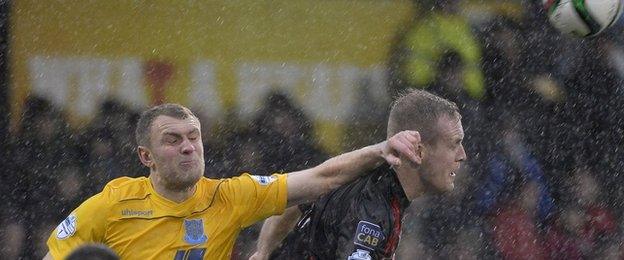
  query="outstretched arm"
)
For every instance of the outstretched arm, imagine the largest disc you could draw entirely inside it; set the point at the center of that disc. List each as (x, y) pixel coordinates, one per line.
(273, 231)
(310, 184)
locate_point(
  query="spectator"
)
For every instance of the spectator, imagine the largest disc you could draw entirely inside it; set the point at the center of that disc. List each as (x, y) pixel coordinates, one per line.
(565, 239)
(515, 84)
(515, 229)
(368, 114)
(103, 162)
(286, 132)
(44, 145)
(109, 133)
(449, 84)
(508, 161)
(585, 225)
(436, 31)
(249, 154)
(593, 116)
(612, 249)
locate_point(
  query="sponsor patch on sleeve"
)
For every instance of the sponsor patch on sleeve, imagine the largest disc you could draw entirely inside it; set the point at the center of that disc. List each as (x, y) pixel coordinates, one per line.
(264, 180)
(67, 227)
(360, 255)
(368, 235)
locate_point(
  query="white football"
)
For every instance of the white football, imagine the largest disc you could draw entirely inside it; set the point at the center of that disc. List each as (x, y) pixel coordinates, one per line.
(583, 18)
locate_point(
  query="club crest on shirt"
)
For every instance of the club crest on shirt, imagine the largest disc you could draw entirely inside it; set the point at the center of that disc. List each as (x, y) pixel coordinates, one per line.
(368, 235)
(194, 231)
(67, 227)
(264, 180)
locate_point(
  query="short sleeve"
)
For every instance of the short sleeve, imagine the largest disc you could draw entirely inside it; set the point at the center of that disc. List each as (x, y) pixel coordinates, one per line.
(256, 197)
(87, 223)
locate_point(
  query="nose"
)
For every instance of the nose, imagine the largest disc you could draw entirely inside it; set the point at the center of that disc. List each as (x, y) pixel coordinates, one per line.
(187, 147)
(462, 154)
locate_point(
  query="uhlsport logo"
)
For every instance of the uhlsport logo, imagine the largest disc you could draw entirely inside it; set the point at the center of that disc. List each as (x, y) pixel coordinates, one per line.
(137, 213)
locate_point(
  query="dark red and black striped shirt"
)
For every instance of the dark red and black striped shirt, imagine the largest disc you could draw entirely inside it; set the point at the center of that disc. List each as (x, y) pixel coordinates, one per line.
(360, 220)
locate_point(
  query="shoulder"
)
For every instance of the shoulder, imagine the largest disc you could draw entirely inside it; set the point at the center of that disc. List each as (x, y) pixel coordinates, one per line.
(101, 205)
(126, 188)
(355, 199)
(360, 189)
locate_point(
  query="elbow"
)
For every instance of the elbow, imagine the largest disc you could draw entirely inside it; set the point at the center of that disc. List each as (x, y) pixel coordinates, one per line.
(326, 186)
(328, 178)
(336, 183)
(331, 184)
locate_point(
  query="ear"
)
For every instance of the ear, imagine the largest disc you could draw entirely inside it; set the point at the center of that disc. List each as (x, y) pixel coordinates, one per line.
(421, 152)
(145, 155)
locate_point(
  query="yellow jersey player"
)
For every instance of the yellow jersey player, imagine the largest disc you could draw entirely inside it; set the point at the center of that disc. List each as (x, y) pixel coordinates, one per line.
(176, 213)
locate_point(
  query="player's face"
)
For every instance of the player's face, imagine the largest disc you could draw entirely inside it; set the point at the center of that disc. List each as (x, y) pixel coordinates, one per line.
(177, 150)
(443, 157)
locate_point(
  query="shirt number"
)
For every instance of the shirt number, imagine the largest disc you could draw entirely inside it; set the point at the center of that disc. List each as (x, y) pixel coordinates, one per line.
(192, 254)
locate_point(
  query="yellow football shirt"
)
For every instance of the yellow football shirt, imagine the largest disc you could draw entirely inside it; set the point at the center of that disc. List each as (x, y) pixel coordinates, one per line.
(137, 223)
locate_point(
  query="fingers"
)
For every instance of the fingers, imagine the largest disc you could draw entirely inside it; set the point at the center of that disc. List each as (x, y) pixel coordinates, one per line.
(393, 160)
(404, 148)
(406, 144)
(413, 136)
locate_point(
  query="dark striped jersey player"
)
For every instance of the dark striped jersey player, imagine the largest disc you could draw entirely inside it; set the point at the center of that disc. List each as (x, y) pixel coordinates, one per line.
(362, 220)
(359, 220)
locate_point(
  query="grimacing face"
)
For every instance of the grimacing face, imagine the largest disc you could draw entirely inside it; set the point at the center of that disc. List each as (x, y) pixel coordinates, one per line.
(177, 151)
(444, 156)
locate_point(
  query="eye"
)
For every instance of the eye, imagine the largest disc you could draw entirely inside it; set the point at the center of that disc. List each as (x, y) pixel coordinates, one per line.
(171, 139)
(194, 135)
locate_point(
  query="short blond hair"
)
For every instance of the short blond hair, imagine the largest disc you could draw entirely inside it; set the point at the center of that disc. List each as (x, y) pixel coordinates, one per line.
(144, 124)
(419, 110)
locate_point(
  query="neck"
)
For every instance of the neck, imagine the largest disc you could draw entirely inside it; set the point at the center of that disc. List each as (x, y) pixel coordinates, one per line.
(410, 181)
(177, 196)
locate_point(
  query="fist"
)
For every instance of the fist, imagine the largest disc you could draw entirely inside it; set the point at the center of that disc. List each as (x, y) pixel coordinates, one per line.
(405, 144)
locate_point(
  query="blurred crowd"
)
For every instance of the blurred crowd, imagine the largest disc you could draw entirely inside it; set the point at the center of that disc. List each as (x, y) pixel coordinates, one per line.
(543, 116)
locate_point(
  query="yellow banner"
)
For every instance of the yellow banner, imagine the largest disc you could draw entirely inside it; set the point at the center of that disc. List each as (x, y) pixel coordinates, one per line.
(211, 55)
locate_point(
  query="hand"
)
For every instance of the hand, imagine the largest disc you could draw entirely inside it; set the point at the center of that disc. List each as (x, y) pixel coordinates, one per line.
(404, 144)
(258, 256)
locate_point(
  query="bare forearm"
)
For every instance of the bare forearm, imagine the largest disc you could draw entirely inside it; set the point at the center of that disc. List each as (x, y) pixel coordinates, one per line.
(274, 230)
(312, 183)
(349, 166)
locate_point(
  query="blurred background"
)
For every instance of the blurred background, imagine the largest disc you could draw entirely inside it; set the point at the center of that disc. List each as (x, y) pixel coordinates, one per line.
(281, 85)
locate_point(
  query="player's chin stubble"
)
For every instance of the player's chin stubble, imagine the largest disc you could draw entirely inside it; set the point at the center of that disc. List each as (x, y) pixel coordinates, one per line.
(183, 180)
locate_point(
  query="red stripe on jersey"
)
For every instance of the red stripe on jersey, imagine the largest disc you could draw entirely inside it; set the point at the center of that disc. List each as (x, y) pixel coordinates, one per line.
(395, 236)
